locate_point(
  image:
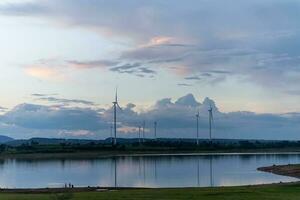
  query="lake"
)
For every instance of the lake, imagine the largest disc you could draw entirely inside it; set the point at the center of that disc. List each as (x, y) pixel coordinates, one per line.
(193, 170)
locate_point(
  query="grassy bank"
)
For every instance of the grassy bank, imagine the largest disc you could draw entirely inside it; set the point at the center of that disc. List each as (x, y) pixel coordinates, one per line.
(268, 192)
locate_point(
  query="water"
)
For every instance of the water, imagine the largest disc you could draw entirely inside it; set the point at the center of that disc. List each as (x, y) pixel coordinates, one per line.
(145, 171)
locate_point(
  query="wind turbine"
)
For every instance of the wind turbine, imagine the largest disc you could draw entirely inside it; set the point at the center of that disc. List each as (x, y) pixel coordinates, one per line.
(115, 106)
(144, 124)
(155, 126)
(197, 118)
(139, 134)
(210, 120)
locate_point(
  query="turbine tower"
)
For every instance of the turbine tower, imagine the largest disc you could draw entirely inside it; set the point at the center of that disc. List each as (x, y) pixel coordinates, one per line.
(210, 119)
(197, 118)
(115, 106)
(139, 134)
(155, 126)
(144, 124)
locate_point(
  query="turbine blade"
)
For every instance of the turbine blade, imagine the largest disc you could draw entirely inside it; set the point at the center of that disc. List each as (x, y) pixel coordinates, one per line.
(116, 98)
(119, 107)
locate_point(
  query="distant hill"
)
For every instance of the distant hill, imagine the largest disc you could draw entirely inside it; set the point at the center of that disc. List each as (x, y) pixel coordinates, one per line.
(5, 139)
(124, 141)
(51, 141)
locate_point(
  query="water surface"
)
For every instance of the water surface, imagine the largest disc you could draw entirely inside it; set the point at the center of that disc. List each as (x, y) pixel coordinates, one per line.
(145, 171)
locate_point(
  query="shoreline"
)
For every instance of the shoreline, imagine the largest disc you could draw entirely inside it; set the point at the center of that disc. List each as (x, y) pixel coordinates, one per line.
(291, 170)
(110, 189)
(118, 153)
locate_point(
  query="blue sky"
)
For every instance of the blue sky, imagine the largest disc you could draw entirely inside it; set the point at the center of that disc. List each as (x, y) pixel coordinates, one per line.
(242, 54)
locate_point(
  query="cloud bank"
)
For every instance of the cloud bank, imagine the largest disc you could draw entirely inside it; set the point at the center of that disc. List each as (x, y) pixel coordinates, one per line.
(175, 119)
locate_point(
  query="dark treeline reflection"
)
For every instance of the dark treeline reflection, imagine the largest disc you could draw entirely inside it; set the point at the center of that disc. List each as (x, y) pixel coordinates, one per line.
(144, 171)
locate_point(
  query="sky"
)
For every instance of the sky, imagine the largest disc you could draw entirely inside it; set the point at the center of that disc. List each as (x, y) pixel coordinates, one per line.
(61, 61)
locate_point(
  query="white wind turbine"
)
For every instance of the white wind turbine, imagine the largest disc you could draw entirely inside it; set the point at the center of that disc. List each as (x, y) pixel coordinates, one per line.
(115, 106)
(155, 127)
(210, 120)
(197, 120)
(144, 126)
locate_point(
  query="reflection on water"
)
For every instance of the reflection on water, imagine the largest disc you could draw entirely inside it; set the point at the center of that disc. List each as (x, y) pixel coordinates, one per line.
(144, 171)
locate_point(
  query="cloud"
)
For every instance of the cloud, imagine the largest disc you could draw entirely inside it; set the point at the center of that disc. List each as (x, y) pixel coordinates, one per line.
(45, 73)
(45, 117)
(61, 102)
(160, 40)
(187, 100)
(51, 69)
(66, 101)
(58, 69)
(42, 95)
(184, 84)
(174, 118)
(3, 109)
(160, 53)
(208, 40)
(192, 78)
(136, 69)
(219, 39)
(24, 9)
(92, 64)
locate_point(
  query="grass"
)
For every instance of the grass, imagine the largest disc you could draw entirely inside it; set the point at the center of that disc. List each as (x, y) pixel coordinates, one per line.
(263, 192)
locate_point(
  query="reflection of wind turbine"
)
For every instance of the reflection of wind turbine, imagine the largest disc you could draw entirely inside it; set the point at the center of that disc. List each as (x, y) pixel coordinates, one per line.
(155, 170)
(211, 171)
(115, 105)
(198, 172)
(144, 172)
(210, 120)
(197, 118)
(111, 134)
(116, 175)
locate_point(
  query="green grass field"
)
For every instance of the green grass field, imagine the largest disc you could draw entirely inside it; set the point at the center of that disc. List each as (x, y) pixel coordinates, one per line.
(268, 192)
